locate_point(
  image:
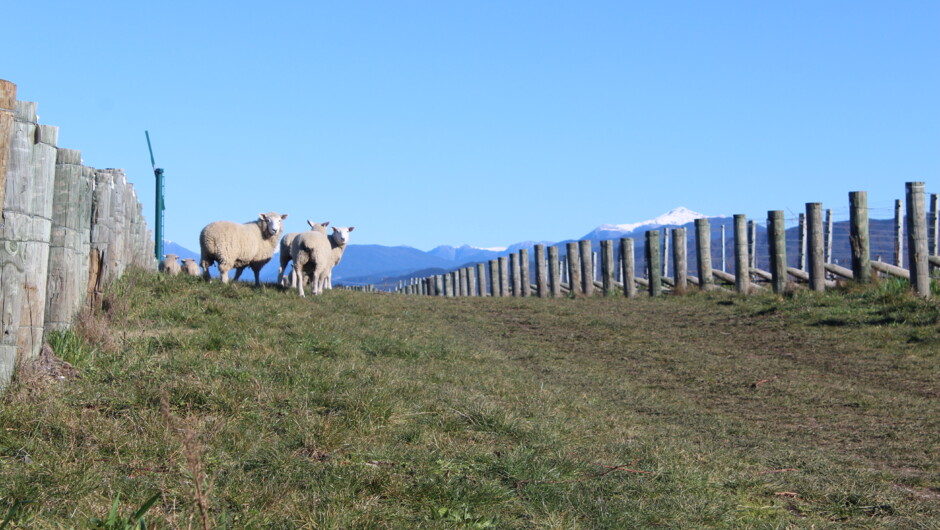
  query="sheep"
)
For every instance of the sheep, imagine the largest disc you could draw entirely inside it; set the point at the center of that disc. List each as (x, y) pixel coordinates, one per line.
(340, 234)
(314, 254)
(190, 268)
(169, 264)
(285, 249)
(237, 246)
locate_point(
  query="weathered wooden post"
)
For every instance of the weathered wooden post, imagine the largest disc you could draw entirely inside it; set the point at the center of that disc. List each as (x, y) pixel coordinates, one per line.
(68, 263)
(802, 257)
(627, 266)
(666, 252)
(524, 271)
(7, 118)
(680, 264)
(541, 272)
(439, 285)
(742, 275)
(448, 285)
(898, 234)
(471, 281)
(917, 239)
(653, 268)
(777, 237)
(817, 263)
(516, 281)
(587, 267)
(574, 268)
(554, 271)
(504, 276)
(703, 248)
(607, 266)
(828, 235)
(494, 278)
(933, 221)
(859, 237)
(481, 278)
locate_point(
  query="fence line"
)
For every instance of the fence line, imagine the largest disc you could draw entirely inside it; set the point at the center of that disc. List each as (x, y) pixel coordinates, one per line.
(66, 231)
(815, 265)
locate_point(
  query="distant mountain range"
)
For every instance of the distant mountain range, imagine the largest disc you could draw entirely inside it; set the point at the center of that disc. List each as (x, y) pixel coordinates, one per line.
(384, 266)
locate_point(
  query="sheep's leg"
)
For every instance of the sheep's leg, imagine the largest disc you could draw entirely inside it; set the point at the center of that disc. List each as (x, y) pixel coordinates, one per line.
(224, 267)
(280, 271)
(205, 268)
(328, 282)
(257, 271)
(238, 272)
(298, 273)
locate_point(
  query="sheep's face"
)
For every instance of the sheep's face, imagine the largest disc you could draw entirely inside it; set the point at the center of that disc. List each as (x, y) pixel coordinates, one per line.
(271, 223)
(341, 234)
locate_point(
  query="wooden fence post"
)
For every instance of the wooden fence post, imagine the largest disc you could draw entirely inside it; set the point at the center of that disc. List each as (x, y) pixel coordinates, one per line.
(554, 271)
(461, 289)
(494, 278)
(627, 267)
(828, 236)
(574, 268)
(898, 234)
(817, 263)
(703, 247)
(858, 236)
(514, 274)
(541, 272)
(448, 285)
(481, 278)
(7, 118)
(524, 271)
(917, 239)
(653, 268)
(607, 266)
(504, 276)
(439, 285)
(587, 267)
(742, 275)
(752, 244)
(680, 265)
(777, 237)
(471, 281)
(666, 252)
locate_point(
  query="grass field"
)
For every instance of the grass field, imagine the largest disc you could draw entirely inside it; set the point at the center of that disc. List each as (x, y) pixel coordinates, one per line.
(229, 406)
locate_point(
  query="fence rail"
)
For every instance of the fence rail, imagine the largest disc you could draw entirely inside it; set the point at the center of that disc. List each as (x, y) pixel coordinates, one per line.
(580, 271)
(66, 231)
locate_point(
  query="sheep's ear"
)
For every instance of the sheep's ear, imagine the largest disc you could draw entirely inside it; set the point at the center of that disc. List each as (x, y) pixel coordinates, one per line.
(325, 223)
(351, 228)
(311, 223)
(284, 216)
(262, 217)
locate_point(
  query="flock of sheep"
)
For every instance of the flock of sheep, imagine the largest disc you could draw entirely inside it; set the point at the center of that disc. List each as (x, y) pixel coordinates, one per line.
(251, 245)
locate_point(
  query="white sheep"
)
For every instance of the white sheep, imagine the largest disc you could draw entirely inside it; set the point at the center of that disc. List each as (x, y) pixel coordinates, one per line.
(190, 268)
(169, 264)
(284, 253)
(338, 242)
(237, 246)
(313, 255)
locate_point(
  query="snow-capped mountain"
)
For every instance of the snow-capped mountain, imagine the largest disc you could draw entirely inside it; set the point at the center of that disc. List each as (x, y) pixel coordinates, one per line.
(676, 217)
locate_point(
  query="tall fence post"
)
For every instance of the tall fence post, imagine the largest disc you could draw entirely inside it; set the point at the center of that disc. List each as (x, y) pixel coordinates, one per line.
(627, 267)
(801, 261)
(494, 278)
(828, 236)
(607, 266)
(859, 237)
(574, 268)
(817, 263)
(653, 268)
(504, 276)
(471, 281)
(481, 278)
(777, 239)
(752, 244)
(587, 267)
(524, 272)
(680, 265)
(703, 249)
(666, 232)
(541, 272)
(742, 275)
(898, 233)
(554, 271)
(461, 282)
(514, 271)
(917, 239)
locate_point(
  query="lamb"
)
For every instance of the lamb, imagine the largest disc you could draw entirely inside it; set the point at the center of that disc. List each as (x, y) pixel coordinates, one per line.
(314, 255)
(285, 249)
(238, 246)
(190, 268)
(169, 264)
(338, 250)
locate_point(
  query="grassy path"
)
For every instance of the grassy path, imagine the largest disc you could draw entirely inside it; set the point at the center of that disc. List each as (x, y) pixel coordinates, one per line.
(357, 410)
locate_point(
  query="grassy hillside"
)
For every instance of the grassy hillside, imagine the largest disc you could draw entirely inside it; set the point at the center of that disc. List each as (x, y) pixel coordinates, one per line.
(231, 406)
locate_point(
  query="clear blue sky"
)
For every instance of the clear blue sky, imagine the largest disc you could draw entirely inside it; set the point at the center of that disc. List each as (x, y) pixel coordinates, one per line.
(487, 122)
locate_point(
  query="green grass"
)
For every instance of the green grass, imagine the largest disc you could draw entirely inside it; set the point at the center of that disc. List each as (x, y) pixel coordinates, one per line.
(363, 410)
